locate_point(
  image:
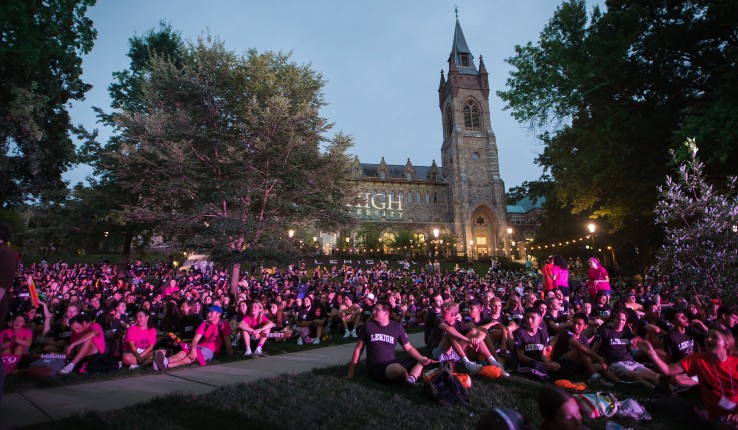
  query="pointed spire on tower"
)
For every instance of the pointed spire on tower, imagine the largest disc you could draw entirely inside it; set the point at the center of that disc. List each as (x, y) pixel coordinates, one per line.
(460, 53)
(443, 80)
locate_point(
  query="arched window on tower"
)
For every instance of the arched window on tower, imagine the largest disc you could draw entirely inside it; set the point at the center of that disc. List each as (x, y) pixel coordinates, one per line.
(471, 116)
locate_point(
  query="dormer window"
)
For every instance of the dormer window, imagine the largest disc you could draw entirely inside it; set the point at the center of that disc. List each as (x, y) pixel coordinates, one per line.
(464, 58)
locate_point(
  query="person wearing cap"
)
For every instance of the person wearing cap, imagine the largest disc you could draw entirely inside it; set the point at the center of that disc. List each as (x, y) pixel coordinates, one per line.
(210, 336)
(366, 306)
(380, 337)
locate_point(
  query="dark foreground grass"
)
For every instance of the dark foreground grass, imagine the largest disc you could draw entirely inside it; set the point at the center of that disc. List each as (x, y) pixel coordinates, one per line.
(325, 399)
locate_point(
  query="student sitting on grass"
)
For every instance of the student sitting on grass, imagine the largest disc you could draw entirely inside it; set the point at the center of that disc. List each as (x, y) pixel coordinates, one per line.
(87, 340)
(350, 316)
(531, 343)
(380, 337)
(454, 338)
(571, 350)
(17, 338)
(209, 337)
(139, 342)
(255, 326)
(613, 342)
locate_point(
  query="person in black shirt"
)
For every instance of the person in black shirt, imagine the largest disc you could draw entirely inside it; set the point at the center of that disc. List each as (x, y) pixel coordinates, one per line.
(602, 309)
(530, 345)
(380, 336)
(613, 341)
(679, 343)
(571, 350)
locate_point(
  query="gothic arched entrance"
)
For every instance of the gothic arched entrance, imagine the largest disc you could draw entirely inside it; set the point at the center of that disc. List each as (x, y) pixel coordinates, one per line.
(483, 234)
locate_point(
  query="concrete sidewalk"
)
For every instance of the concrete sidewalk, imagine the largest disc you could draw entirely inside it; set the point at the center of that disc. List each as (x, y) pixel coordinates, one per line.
(47, 405)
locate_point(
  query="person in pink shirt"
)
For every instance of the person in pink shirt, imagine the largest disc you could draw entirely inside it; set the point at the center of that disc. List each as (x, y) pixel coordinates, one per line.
(210, 336)
(87, 339)
(561, 275)
(138, 345)
(17, 338)
(598, 277)
(255, 325)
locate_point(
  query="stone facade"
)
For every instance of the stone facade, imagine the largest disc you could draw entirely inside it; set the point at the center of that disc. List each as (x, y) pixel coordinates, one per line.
(465, 197)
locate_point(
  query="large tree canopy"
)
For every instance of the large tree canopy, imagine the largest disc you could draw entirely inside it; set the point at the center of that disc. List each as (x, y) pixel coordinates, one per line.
(126, 94)
(41, 66)
(614, 91)
(225, 152)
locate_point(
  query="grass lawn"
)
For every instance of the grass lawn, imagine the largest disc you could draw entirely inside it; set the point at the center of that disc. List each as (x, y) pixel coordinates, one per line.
(326, 399)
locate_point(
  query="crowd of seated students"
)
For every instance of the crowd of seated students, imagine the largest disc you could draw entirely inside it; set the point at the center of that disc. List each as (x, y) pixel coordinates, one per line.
(630, 332)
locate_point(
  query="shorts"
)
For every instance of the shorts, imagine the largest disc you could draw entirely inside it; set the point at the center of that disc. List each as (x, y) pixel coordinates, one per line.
(564, 290)
(378, 372)
(207, 353)
(622, 368)
(440, 356)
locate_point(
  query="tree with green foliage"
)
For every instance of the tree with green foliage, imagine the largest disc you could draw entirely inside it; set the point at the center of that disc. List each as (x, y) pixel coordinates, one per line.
(701, 225)
(368, 237)
(226, 152)
(612, 92)
(126, 94)
(41, 66)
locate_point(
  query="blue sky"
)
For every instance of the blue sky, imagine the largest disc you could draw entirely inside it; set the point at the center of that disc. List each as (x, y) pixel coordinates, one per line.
(381, 60)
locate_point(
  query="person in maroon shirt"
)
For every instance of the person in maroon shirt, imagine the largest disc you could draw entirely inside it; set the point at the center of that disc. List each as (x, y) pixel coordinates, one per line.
(380, 336)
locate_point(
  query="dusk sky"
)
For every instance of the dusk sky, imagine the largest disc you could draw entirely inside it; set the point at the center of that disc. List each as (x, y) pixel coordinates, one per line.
(381, 60)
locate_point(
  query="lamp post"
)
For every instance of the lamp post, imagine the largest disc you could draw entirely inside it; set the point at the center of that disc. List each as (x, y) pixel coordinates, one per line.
(435, 241)
(290, 233)
(591, 228)
(471, 249)
(509, 238)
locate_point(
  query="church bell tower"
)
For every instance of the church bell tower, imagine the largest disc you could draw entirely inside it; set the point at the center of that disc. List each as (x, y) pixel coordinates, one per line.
(469, 154)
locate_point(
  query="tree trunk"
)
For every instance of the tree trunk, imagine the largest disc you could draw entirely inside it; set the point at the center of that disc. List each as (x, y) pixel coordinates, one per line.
(235, 277)
(125, 257)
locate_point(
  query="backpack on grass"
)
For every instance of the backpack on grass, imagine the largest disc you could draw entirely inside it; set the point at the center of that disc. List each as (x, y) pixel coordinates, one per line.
(444, 387)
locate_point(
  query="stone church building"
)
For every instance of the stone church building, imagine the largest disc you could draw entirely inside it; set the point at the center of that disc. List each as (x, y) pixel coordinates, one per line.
(464, 196)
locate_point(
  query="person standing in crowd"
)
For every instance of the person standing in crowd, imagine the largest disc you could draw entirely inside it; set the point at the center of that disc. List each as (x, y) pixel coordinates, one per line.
(549, 277)
(598, 279)
(561, 275)
(380, 337)
(8, 266)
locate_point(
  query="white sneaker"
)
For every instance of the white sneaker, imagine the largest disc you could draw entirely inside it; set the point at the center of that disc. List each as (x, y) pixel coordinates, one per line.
(348, 334)
(299, 341)
(472, 368)
(247, 352)
(66, 370)
(315, 341)
(134, 366)
(353, 333)
(258, 352)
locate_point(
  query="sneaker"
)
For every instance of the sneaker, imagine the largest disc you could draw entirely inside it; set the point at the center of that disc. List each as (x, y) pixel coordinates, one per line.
(248, 352)
(348, 334)
(160, 361)
(258, 352)
(66, 370)
(472, 368)
(299, 341)
(598, 379)
(315, 341)
(353, 333)
(134, 366)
